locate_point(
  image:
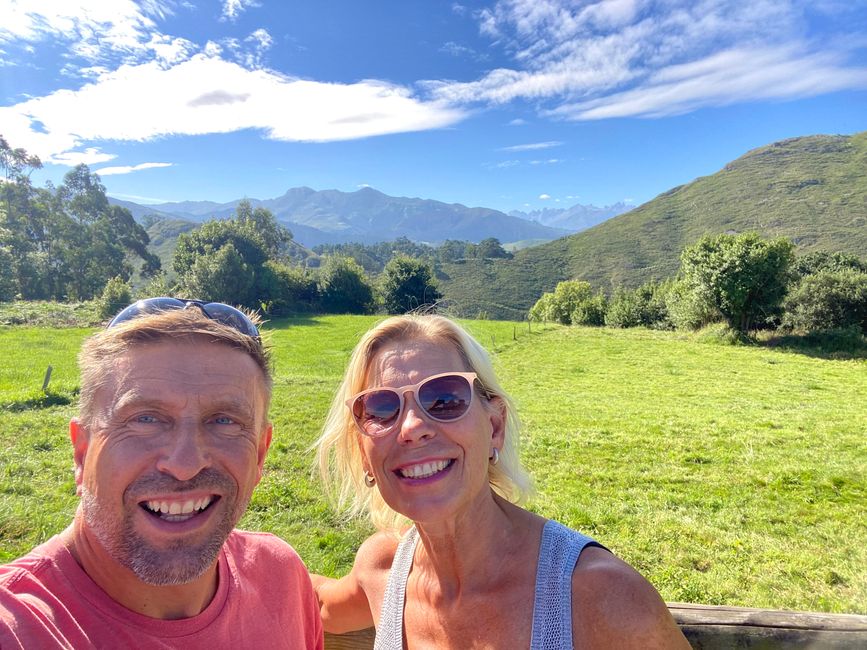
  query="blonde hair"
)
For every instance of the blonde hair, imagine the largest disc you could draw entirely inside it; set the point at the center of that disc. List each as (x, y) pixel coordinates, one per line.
(338, 452)
(101, 350)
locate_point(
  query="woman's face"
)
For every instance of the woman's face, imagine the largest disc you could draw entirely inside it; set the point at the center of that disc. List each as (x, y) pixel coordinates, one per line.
(428, 470)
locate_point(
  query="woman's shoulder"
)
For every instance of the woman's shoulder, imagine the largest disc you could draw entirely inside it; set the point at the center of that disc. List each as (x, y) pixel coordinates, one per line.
(376, 553)
(614, 605)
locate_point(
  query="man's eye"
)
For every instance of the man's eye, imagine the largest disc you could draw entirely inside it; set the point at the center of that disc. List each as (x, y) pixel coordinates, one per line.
(146, 419)
(224, 419)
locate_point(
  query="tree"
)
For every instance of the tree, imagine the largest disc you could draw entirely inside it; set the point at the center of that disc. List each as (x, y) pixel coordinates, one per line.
(262, 221)
(204, 256)
(223, 276)
(743, 276)
(343, 287)
(407, 284)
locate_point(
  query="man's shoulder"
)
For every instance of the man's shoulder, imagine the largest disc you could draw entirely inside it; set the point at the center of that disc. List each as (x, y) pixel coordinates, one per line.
(263, 552)
(34, 566)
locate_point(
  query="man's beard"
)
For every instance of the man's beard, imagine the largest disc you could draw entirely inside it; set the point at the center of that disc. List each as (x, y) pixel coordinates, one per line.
(180, 562)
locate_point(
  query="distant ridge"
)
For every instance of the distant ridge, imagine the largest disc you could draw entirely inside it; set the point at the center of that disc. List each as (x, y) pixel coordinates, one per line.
(577, 218)
(812, 190)
(365, 216)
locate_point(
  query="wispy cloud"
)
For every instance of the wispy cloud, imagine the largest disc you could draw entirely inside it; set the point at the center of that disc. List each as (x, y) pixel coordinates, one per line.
(544, 197)
(204, 95)
(127, 169)
(533, 146)
(92, 29)
(616, 58)
(233, 8)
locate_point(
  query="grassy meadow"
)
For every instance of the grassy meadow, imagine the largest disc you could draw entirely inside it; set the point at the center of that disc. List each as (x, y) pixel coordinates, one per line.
(726, 475)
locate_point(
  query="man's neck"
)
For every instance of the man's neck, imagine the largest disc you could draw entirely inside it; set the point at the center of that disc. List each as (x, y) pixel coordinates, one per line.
(124, 587)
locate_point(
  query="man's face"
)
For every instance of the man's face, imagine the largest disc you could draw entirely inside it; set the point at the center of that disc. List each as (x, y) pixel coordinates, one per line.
(168, 463)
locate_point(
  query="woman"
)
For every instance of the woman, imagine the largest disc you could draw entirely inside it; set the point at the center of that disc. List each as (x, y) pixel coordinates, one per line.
(421, 433)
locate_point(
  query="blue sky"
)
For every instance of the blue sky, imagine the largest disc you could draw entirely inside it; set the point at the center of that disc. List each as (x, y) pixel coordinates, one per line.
(518, 104)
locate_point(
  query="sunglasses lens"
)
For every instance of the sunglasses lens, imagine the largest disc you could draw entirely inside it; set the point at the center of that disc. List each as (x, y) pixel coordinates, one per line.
(228, 315)
(376, 412)
(446, 398)
(146, 306)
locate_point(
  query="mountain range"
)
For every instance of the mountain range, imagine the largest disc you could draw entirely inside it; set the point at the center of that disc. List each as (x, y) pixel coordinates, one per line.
(577, 218)
(812, 190)
(368, 216)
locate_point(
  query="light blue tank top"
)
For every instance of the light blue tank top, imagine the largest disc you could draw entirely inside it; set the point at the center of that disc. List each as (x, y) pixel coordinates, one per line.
(552, 608)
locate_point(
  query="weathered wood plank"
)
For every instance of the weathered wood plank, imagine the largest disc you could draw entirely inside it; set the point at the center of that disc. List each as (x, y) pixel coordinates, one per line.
(718, 627)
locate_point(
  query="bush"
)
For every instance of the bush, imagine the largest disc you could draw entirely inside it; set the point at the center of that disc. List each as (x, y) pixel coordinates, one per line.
(407, 284)
(570, 298)
(285, 289)
(221, 277)
(590, 312)
(641, 307)
(343, 287)
(688, 309)
(116, 295)
(828, 300)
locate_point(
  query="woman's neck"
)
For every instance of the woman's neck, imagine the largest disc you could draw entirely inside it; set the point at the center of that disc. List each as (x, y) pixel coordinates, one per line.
(467, 553)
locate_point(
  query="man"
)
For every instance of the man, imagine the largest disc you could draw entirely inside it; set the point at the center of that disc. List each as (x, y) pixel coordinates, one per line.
(169, 443)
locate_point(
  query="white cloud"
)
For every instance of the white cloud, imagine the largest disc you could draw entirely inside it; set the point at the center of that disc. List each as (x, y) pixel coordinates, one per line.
(517, 122)
(533, 146)
(506, 163)
(610, 58)
(205, 95)
(550, 161)
(233, 8)
(126, 169)
(544, 197)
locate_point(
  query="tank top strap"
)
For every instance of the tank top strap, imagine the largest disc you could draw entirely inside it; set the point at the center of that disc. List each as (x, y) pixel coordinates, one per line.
(552, 609)
(389, 632)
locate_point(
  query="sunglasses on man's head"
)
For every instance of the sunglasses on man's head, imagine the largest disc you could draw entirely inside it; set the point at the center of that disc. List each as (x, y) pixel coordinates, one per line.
(216, 311)
(445, 398)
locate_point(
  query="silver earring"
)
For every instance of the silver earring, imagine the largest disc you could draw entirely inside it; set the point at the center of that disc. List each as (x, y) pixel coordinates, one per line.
(369, 479)
(495, 458)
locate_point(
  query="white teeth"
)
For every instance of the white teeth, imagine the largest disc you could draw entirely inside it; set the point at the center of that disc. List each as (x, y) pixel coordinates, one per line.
(178, 507)
(424, 470)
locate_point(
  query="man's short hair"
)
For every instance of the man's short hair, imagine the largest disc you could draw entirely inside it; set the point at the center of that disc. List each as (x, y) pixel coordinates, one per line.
(101, 350)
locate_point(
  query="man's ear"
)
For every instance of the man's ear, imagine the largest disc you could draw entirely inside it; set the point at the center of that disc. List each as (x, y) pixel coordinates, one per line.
(264, 444)
(80, 437)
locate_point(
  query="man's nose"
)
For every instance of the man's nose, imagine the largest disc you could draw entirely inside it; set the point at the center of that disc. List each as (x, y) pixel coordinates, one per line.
(186, 455)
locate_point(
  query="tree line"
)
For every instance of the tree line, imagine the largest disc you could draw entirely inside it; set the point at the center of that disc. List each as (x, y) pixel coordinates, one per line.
(745, 281)
(66, 242)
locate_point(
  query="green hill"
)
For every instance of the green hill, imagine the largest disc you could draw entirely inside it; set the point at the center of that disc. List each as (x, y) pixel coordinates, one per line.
(812, 190)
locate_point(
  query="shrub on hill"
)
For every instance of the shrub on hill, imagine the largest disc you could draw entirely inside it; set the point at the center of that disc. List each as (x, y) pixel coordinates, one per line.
(407, 284)
(343, 287)
(571, 303)
(116, 295)
(644, 306)
(828, 300)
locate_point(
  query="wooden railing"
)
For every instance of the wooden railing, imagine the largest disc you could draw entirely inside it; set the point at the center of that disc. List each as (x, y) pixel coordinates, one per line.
(709, 627)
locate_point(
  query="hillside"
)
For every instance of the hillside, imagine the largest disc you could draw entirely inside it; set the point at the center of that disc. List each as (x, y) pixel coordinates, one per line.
(812, 190)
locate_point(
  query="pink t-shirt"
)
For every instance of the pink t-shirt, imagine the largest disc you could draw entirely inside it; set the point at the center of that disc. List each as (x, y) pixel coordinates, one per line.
(264, 600)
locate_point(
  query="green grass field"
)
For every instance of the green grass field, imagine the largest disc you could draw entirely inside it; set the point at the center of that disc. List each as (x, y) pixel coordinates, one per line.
(726, 475)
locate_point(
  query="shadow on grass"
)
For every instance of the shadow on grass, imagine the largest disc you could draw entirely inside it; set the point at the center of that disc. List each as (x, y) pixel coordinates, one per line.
(286, 322)
(38, 402)
(844, 344)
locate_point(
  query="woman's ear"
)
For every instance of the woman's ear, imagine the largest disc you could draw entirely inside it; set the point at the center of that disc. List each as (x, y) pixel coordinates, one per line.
(497, 416)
